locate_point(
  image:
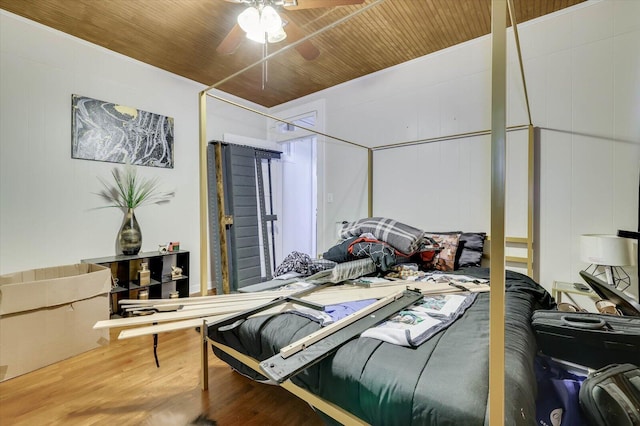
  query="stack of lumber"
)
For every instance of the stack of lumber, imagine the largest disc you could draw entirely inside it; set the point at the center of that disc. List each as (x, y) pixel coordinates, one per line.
(154, 316)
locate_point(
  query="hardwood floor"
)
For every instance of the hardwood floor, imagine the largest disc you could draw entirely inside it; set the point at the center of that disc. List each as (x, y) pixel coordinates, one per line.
(119, 384)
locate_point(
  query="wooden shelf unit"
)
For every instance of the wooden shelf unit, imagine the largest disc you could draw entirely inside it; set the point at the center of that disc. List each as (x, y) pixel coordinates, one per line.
(124, 270)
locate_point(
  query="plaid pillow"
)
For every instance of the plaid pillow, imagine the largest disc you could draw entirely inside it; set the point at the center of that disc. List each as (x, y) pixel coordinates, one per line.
(404, 238)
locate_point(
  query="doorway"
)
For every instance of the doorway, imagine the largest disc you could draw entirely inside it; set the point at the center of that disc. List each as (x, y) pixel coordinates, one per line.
(299, 196)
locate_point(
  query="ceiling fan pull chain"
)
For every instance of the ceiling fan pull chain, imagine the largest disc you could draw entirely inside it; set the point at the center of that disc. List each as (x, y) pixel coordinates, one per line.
(264, 66)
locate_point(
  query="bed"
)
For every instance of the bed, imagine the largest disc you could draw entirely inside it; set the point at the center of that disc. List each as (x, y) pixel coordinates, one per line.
(460, 352)
(442, 381)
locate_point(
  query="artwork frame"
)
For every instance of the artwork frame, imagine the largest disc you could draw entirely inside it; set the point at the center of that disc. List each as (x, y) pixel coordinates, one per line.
(106, 131)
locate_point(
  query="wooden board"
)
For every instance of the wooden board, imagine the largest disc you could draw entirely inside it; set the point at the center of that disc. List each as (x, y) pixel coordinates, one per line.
(167, 327)
(218, 307)
(300, 344)
(170, 316)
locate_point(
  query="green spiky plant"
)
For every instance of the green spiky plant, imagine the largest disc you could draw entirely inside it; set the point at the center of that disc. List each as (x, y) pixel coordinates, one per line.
(131, 191)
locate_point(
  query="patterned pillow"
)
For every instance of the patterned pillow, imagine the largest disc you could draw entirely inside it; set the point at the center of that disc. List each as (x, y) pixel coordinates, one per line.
(445, 259)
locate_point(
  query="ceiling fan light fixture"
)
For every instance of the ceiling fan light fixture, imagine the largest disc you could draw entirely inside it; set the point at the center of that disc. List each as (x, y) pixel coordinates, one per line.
(249, 20)
(285, 3)
(276, 36)
(269, 19)
(257, 36)
(262, 24)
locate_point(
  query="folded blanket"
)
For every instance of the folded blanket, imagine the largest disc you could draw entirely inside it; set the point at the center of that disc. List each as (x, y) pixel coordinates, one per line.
(344, 271)
(404, 238)
(366, 245)
(383, 255)
(302, 264)
(340, 252)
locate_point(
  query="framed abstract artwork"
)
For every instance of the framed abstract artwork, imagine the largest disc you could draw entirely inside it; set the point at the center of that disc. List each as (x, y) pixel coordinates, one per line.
(105, 131)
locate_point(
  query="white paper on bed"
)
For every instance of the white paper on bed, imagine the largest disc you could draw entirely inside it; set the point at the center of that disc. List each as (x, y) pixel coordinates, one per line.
(440, 305)
(416, 324)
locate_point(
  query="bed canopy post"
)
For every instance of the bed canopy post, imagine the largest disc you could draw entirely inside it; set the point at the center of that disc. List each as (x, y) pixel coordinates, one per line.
(370, 182)
(530, 149)
(498, 176)
(531, 179)
(204, 261)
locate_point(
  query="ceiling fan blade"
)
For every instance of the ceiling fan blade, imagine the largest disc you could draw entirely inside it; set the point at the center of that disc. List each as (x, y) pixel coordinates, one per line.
(307, 50)
(231, 41)
(313, 4)
(294, 33)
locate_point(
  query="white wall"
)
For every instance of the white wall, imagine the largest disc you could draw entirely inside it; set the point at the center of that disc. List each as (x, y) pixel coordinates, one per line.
(583, 72)
(585, 69)
(49, 214)
(582, 67)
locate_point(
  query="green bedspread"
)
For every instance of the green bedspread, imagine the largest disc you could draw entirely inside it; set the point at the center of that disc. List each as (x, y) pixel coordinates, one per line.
(444, 381)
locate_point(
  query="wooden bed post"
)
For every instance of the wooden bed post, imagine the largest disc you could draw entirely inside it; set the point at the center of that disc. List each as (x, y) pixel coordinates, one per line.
(498, 173)
(223, 221)
(204, 261)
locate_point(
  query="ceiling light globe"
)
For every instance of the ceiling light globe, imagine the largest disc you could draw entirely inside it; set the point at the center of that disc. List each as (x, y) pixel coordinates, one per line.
(249, 20)
(269, 19)
(257, 36)
(276, 36)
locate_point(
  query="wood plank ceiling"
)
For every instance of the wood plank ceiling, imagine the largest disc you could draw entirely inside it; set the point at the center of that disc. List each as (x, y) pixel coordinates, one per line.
(181, 36)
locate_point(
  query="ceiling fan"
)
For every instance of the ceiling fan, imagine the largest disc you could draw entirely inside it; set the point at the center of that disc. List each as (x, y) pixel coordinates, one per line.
(261, 23)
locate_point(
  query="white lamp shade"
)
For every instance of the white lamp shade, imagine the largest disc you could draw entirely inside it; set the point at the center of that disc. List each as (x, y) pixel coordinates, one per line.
(607, 250)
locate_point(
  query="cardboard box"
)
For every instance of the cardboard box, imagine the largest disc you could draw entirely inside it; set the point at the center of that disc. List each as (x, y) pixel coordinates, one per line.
(47, 315)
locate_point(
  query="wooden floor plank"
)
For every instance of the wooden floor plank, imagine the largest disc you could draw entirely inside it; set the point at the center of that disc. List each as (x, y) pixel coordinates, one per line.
(120, 384)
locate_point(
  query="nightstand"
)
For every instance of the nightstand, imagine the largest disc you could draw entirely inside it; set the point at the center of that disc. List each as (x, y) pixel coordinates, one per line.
(559, 288)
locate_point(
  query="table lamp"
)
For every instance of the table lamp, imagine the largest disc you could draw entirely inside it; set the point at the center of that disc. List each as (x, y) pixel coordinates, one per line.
(606, 255)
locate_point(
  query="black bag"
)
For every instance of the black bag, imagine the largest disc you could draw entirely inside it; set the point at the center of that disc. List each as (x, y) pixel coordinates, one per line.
(611, 396)
(588, 339)
(558, 393)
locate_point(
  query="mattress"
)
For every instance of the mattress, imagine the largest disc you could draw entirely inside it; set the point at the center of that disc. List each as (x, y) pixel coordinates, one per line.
(444, 381)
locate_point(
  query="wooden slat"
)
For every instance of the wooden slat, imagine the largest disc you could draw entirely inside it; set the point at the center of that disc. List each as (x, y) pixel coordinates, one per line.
(208, 299)
(326, 296)
(169, 316)
(299, 345)
(129, 333)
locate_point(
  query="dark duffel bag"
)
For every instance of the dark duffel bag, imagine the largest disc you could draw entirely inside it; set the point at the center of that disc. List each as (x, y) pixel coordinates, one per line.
(611, 396)
(588, 339)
